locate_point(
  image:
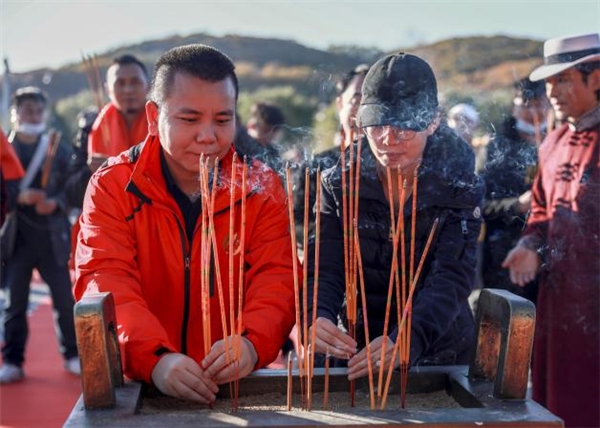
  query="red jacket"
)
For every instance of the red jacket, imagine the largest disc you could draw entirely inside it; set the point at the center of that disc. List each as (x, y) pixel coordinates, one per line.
(9, 161)
(110, 136)
(133, 244)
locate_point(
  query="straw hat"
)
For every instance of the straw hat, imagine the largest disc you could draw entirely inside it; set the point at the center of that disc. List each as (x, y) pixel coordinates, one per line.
(562, 53)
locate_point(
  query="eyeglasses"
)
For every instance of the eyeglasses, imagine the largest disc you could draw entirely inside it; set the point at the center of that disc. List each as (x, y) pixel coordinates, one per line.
(381, 131)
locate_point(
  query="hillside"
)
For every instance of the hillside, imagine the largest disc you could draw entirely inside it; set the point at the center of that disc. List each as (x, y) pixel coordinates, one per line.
(471, 69)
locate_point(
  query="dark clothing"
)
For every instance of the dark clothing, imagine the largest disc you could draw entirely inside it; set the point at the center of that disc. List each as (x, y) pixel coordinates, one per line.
(43, 244)
(79, 172)
(508, 173)
(442, 322)
(564, 223)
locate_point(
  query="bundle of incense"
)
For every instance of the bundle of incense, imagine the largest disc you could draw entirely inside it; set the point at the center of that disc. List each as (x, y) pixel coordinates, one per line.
(54, 141)
(406, 308)
(92, 71)
(393, 273)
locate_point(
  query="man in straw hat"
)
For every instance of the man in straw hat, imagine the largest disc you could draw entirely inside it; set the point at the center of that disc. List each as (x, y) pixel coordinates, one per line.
(561, 242)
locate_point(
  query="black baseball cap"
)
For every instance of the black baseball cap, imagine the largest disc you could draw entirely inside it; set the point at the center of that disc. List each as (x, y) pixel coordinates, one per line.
(399, 90)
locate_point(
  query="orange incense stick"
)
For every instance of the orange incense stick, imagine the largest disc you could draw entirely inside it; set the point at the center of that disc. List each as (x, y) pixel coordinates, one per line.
(326, 386)
(241, 282)
(345, 231)
(290, 203)
(204, 266)
(363, 296)
(405, 355)
(316, 272)
(406, 308)
(305, 286)
(215, 252)
(234, 342)
(391, 280)
(289, 382)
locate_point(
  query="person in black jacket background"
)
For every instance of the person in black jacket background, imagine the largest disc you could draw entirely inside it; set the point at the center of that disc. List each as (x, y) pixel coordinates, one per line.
(399, 116)
(508, 175)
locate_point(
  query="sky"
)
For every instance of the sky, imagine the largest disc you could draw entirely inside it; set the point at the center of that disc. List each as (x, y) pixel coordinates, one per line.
(35, 34)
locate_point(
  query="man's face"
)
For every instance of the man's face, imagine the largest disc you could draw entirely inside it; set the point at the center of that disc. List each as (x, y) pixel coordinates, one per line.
(30, 111)
(570, 96)
(127, 86)
(347, 103)
(198, 117)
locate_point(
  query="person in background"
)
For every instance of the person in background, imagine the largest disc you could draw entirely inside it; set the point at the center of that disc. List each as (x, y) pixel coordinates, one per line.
(560, 244)
(153, 190)
(42, 237)
(348, 98)
(508, 175)
(464, 120)
(121, 124)
(265, 126)
(400, 119)
(79, 170)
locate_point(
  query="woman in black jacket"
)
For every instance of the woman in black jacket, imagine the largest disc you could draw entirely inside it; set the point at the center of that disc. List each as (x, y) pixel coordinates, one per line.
(399, 117)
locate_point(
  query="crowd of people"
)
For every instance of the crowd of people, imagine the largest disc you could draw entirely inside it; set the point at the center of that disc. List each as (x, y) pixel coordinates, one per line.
(521, 215)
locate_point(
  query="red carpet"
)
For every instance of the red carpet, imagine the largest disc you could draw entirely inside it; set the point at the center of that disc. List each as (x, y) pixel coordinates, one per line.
(47, 395)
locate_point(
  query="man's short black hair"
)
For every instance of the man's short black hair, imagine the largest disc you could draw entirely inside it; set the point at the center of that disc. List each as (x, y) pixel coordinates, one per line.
(197, 60)
(271, 114)
(342, 84)
(130, 59)
(29, 93)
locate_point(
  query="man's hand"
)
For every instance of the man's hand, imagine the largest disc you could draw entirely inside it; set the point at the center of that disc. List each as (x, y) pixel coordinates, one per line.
(523, 264)
(215, 363)
(330, 340)
(31, 196)
(95, 161)
(46, 206)
(358, 366)
(179, 376)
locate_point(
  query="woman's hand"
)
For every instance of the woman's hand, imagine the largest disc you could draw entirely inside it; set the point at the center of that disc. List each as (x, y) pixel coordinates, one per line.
(358, 365)
(330, 340)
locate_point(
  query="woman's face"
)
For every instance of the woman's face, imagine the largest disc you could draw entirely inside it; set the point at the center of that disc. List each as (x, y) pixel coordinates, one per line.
(398, 148)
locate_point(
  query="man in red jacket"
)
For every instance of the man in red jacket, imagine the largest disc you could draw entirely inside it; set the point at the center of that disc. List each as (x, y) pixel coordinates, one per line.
(142, 233)
(122, 122)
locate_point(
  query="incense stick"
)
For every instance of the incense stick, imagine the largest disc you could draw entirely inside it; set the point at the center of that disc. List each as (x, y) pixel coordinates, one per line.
(366, 321)
(316, 271)
(289, 382)
(241, 282)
